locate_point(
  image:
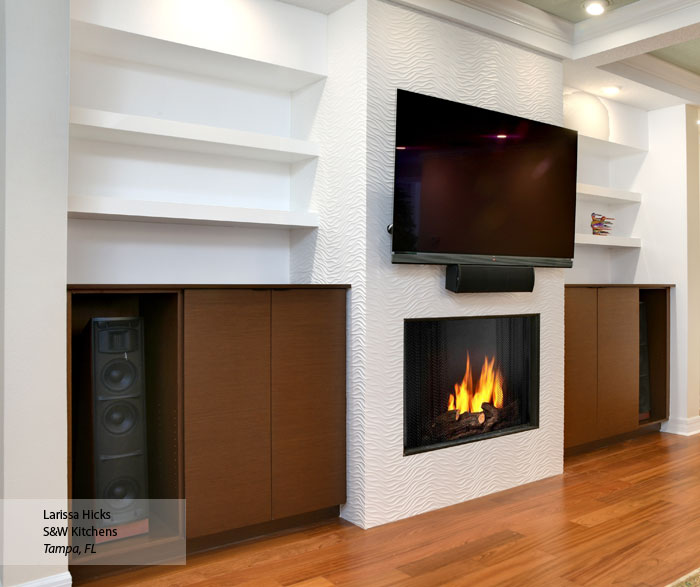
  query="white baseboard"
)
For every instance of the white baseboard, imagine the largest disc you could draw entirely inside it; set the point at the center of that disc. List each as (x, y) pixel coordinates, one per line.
(682, 426)
(60, 580)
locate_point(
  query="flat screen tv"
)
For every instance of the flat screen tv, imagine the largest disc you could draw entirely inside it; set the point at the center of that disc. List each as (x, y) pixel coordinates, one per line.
(474, 186)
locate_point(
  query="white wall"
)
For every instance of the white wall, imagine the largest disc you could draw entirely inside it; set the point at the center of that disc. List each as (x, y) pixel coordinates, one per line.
(147, 90)
(103, 251)
(264, 30)
(135, 252)
(693, 223)
(33, 192)
(628, 126)
(337, 251)
(3, 163)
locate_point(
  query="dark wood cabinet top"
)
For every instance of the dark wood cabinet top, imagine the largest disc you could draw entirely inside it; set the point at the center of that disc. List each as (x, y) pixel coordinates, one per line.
(639, 285)
(109, 287)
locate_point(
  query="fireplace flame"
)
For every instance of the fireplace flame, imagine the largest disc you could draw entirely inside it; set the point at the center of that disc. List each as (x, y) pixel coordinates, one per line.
(489, 389)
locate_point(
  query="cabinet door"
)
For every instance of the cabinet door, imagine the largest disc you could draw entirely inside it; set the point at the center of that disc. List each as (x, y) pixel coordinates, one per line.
(618, 360)
(581, 366)
(227, 409)
(308, 400)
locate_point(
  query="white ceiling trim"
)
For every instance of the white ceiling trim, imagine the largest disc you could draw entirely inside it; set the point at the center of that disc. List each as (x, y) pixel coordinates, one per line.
(586, 78)
(657, 73)
(632, 15)
(636, 28)
(508, 19)
(323, 6)
(636, 35)
(526, 16)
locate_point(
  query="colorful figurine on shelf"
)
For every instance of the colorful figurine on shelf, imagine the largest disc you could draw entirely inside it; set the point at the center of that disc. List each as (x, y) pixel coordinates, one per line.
(601, 225)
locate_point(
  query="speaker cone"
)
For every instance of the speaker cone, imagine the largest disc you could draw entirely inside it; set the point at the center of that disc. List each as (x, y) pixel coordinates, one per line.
(119, 417)
(118, 375)
(121, 492)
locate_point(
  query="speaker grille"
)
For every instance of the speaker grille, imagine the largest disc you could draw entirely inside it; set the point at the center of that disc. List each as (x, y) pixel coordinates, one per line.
(121, 492)
(118, 375)
(119, 418)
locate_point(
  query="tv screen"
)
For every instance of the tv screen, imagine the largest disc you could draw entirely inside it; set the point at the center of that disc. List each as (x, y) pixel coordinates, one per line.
(474, 186)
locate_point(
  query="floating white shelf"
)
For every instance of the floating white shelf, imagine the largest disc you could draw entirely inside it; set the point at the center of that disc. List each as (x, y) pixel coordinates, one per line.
(607, 241)
(146, 131)
(103, 208)
(606, 194)
(603, 148)
(119, 44)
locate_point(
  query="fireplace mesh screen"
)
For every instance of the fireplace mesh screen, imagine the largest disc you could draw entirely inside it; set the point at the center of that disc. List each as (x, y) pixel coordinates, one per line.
(467, 379)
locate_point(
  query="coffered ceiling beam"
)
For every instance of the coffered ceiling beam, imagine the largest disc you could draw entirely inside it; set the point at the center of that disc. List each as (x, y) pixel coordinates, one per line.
(658, 74)
(636, 29)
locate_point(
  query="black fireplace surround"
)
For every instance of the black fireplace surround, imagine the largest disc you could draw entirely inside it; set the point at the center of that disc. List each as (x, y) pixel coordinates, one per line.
(468, 379)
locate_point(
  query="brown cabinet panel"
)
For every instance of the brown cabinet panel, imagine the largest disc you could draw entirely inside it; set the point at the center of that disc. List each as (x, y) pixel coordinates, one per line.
(581, 366)
(618, 361)
(227, 409)
(308, 400)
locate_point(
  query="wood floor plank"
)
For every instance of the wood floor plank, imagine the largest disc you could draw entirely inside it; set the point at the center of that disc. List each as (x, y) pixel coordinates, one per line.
(609, 512)
(459, 553)
(626, 515)
(503, 574)
(315, 582)
(369, 576)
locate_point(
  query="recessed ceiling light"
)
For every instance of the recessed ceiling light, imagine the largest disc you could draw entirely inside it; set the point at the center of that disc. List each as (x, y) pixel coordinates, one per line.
(611, 90)
(596, 7)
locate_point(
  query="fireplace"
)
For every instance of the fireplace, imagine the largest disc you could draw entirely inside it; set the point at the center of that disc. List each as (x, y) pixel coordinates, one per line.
(468, 379)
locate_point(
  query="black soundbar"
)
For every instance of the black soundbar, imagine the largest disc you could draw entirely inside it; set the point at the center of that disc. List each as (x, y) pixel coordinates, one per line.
(489, 278)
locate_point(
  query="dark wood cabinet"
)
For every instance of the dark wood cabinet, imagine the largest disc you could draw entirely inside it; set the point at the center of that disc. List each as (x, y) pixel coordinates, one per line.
(264, 405)
(606, 333)
(245, 402)
(227, 409)
(308, 400)
(618, 361)
(581, 360)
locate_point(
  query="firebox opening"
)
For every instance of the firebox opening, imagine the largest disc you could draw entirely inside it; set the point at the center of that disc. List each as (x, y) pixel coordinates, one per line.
(468, 379)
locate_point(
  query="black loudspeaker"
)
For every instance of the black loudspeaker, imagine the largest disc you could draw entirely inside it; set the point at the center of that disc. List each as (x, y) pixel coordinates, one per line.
(116, 469)
(489, 278)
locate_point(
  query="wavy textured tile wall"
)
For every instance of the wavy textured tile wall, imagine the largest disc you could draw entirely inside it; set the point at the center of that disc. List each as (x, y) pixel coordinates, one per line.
(375, 47)
(417, 52)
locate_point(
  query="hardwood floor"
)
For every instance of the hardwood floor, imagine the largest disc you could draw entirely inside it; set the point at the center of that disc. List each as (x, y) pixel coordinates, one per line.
(625, 515)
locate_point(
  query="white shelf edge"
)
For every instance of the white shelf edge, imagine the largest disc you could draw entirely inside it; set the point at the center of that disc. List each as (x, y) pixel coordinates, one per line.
(608, 241)
(608, 194)
(105, 208)
(118, 44)
(605, 148)
(88, 123)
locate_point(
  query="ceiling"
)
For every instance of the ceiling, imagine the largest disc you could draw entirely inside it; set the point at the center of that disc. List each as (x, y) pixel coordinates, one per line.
(649, 77)
(592, 80)
(324, 6)
(685, 55)
(571, 10)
